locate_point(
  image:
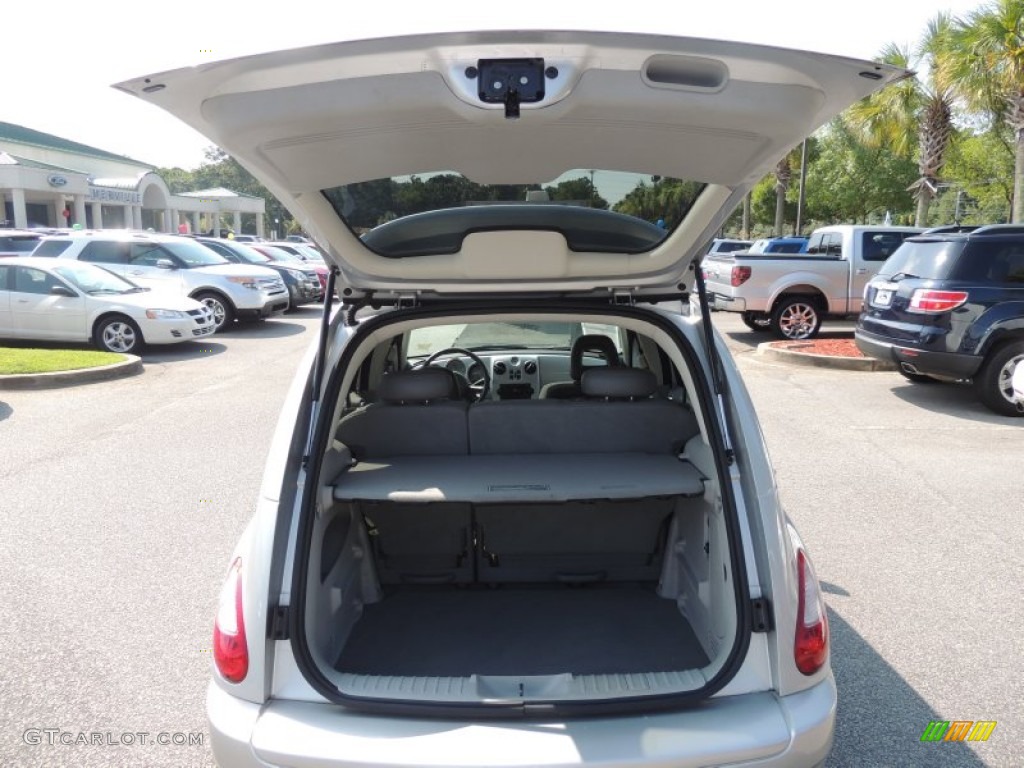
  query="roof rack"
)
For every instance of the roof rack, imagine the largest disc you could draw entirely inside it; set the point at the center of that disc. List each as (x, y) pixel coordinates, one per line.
(1000, 229)
(951, 229)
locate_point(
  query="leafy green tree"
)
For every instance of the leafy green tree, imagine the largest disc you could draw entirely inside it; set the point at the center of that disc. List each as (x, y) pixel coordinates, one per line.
(850, 181)
(577, 189)
(988, 73)
(914, 116)
(980, 168)
(664, 199)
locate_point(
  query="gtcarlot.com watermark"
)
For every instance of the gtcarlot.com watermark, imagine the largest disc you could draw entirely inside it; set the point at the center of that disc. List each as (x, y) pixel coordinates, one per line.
(52, 737)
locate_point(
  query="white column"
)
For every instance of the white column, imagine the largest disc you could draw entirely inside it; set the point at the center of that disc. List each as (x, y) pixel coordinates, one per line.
(18, 202)
(175, 220)
(195, 222)
(80, 210)
(137, 217)
(97, 215)
(259, 225)
(237, 223)
(167, 226)
(58, 212)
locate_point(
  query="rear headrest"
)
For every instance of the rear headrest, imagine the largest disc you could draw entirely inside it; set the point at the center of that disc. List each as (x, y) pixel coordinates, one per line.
(618, 382)
(593, 342)
(417, 386)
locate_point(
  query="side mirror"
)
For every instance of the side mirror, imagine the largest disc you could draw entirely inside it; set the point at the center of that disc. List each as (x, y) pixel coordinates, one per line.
(62, 290)
(165, 264)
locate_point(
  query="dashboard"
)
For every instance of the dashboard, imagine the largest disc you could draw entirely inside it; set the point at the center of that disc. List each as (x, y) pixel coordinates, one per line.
(514, 375)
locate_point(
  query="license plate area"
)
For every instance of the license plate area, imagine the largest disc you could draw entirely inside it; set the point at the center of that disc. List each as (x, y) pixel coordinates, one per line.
(883, 295)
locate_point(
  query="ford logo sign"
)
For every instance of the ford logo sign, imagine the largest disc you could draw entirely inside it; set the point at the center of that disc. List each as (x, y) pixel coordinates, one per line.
(56, 180)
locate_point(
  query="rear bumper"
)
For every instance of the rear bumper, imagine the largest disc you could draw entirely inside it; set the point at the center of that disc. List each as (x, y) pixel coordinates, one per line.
(945, 364)
(725, 303)
(753, 729)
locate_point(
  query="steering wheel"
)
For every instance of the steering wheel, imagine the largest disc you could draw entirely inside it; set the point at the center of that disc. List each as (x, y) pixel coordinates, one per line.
(481, 386)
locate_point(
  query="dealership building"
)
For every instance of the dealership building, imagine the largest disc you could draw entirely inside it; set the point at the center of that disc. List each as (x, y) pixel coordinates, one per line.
(47, 181)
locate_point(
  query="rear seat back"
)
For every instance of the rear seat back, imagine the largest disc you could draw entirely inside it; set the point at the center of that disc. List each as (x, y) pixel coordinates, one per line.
(420, 543)
(619, 416)
(417, 414)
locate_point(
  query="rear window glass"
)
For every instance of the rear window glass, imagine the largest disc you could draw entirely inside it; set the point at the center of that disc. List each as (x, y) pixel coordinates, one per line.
(991, 262)
(879, 246)
(930, 260)
(51, 248)
(645, 207)
(24, 245)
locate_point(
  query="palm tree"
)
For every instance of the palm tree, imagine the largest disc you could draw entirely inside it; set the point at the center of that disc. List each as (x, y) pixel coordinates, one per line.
(915, 114)
(783, 175)
(988, 71)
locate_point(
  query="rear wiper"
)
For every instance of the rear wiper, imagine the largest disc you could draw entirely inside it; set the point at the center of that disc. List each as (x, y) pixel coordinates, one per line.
(901, 276)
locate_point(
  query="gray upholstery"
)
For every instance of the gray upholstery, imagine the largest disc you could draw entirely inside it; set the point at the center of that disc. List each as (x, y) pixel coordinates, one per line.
(580, 426)
(413, 418)
(420, 543)
(618, 383)
(572, 542)
(569, 390)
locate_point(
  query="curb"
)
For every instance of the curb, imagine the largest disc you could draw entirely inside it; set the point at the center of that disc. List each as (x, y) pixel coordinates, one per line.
(129, 367)
(767, 349)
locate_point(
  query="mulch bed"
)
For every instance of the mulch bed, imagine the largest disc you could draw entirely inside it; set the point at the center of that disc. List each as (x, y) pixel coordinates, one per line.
(829, 347)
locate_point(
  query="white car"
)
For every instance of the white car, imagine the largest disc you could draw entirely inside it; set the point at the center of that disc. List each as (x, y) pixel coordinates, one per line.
(53, 300)
(179, 264)
(517, 510)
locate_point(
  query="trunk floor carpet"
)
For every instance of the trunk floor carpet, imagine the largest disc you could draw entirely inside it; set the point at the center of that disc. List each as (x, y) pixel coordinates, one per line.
(543, 630)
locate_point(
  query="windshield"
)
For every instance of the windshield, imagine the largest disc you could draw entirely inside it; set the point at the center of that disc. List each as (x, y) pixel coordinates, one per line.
(248, 254)
(930, 260)
(659, 202)
(194, 254)
(278, 254)
(493, 336)
(94, 280)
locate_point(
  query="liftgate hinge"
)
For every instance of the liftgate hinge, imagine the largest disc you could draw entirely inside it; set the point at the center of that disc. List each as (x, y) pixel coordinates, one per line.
(279, 623)
(761, 615)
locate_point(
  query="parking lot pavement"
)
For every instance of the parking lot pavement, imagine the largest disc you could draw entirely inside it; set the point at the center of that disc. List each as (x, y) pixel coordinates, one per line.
(909, 501)
(121, 503)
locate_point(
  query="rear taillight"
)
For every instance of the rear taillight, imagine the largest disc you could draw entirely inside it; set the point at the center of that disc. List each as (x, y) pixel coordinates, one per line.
(740, 275)
(810, 649)
(230, 652)
(925, 300)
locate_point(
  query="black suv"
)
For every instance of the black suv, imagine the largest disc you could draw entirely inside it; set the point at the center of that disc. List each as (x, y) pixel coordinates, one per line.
(950, 306)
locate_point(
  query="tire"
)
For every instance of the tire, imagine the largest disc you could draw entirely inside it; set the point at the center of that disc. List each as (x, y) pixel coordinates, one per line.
(223, 312)
(118, 333)
(992, 384)
(917, 378)
(756, 321)
(795, 318)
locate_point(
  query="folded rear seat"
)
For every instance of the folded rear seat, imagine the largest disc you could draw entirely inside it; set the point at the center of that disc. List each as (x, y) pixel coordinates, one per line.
(589, 540)
(418, 413)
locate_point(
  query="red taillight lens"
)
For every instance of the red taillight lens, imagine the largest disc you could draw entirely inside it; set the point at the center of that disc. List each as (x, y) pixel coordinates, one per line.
(230, 652)
(925, 300)
(810, 648)
(740, 275)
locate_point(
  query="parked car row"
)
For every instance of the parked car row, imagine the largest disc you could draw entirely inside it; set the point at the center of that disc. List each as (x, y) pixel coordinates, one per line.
(121, 289)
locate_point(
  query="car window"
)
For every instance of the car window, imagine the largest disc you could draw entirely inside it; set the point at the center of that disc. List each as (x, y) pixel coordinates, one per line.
(916, 258)
(29, 280)
(493, 336)
(5, 275)
(51, 248)
(991, 262)
(879, 246)
(105, 252)
(148, 254)
(22, 244)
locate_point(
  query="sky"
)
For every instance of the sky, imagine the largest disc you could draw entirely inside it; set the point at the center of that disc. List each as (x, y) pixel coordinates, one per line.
(61, 58)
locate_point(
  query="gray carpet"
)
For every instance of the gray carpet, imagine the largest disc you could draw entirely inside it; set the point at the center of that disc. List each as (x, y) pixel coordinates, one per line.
(542, 630)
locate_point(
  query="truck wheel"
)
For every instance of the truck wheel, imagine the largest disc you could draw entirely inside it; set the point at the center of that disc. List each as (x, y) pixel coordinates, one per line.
(756, 321)
(993, 382)
(796, 317)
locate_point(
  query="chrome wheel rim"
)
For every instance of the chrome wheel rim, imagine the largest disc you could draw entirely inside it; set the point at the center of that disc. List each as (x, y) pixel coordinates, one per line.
(1005, 379)
(798, 321)
(217, 308)
(119, 337)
